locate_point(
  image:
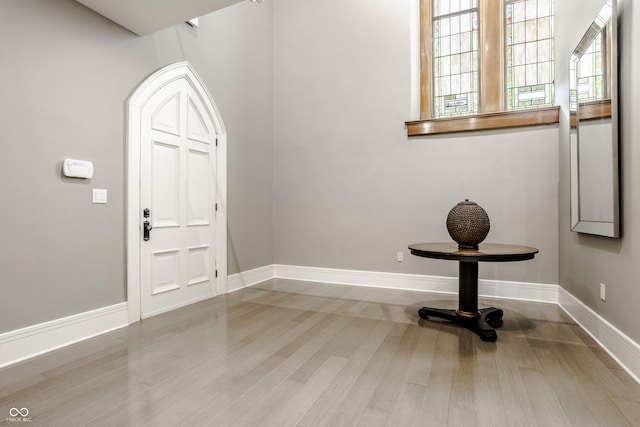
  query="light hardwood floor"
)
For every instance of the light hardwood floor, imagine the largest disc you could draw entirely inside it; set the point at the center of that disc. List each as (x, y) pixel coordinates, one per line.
(288, 353)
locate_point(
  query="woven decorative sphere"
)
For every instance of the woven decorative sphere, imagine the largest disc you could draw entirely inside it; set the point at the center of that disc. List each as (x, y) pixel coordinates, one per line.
(468, 224)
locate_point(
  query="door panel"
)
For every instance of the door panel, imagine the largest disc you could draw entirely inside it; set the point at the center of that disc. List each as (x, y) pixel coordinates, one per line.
(197, 128)
(165, 181)
(199, 270)
(165, 268)
(166, 118)
(198, 212)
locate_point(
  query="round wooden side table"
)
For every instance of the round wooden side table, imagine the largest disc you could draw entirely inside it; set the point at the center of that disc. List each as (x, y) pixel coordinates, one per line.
(467, 315)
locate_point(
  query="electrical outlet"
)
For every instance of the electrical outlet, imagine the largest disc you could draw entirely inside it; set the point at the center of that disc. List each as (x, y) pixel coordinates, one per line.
(400, 256)
(603, 290)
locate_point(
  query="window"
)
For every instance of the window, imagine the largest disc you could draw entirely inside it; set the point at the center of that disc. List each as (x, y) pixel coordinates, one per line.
(455, 59)
(529, 53)
(481, 57)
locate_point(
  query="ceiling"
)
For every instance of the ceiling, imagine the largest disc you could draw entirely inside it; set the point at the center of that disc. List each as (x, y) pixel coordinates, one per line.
(148, 16)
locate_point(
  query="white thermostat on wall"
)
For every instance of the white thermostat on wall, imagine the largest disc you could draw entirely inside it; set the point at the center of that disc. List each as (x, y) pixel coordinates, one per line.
(77, 168)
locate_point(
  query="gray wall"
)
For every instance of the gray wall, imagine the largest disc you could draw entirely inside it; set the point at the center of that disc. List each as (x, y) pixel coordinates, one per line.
(586, 261)
(351, 189)
(66, 74)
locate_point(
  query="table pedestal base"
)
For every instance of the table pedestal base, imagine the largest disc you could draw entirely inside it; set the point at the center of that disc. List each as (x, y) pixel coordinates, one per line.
(478, 324)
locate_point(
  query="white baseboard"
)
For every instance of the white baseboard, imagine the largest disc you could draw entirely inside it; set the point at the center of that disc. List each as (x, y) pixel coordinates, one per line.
(25, 343)
(250, 277)
(538, 292)
(619, 346)
(416, 282)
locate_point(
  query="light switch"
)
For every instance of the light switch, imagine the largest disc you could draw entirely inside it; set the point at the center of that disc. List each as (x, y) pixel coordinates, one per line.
(99, 195)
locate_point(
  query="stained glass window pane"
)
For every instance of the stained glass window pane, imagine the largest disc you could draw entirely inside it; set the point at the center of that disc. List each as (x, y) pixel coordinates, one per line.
(455, 57)
(529, 53)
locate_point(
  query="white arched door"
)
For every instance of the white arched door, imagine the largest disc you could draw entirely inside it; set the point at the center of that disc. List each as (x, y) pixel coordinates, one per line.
(176, 201)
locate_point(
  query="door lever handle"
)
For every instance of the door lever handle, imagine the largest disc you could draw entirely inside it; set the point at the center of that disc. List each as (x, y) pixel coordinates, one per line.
(146, 230)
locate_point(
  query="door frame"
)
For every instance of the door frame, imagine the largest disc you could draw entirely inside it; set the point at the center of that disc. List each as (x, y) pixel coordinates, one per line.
(135, 104)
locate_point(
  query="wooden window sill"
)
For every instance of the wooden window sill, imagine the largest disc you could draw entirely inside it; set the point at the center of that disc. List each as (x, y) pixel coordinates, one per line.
(486, 121)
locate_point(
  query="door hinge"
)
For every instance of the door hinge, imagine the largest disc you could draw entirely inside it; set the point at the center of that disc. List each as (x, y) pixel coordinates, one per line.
(216, 207)
(216, 273)
(216, 142)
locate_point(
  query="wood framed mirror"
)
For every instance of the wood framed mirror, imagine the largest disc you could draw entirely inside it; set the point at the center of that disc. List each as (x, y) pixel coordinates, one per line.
(593, 104)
